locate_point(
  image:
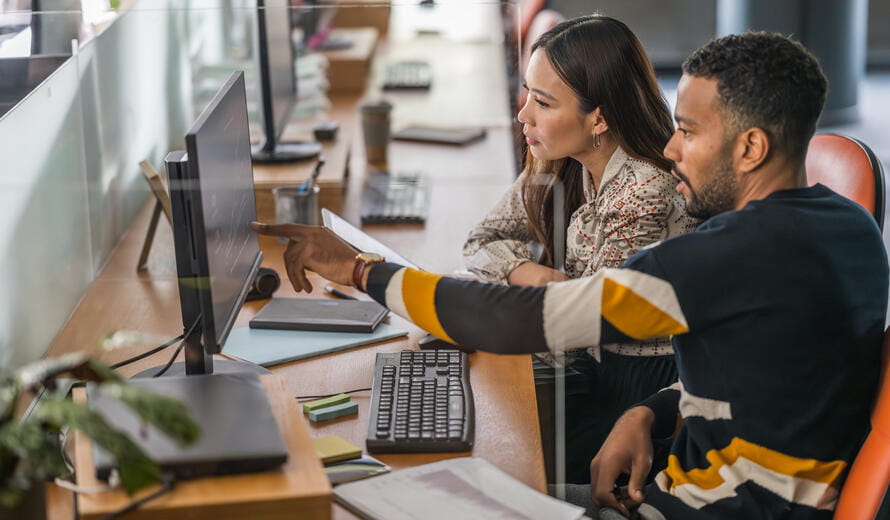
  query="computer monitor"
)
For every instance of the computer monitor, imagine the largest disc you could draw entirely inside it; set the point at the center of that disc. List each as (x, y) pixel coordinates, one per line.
(278, 85)
(217, 256)
(212, 202)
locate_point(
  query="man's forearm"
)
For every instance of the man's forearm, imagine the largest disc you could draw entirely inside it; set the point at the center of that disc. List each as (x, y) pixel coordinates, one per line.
(494, 318)
(609, 306)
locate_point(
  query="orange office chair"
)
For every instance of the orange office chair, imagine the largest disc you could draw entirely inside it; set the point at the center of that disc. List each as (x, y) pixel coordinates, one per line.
(869, 476)
(849, 167)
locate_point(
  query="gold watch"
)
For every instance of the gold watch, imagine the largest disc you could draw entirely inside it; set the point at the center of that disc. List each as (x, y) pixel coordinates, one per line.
(361, 261)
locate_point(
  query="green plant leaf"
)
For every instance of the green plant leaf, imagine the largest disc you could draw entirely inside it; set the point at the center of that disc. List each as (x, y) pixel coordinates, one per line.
(136, 469)
(41, 449)
(46, 371)
(11, 492)
(9, 394)
(165, 413)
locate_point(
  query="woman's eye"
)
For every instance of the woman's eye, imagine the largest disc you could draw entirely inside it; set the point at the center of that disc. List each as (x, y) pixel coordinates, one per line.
(541, 103)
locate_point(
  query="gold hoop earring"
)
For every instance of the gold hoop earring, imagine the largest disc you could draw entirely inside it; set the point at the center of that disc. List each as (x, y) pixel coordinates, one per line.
(596, 141)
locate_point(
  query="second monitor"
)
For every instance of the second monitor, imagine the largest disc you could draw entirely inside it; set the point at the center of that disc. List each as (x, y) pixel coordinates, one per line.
(278, 85)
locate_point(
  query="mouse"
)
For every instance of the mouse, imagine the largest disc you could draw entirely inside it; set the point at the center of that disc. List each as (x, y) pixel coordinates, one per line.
(430, 342)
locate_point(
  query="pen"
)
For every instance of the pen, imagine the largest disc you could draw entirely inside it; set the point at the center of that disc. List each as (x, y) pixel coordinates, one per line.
(333, 291)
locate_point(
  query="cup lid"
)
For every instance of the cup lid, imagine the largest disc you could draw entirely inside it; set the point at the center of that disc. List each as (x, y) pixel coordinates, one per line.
(380, 105)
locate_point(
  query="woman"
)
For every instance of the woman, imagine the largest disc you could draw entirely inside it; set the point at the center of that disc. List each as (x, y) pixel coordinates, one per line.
(595, 190)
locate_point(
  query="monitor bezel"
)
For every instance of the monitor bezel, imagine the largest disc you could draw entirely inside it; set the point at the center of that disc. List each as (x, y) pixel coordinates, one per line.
(273, 128)
(197, 299)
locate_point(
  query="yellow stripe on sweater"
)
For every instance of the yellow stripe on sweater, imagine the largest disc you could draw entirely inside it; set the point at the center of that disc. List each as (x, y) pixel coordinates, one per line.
(776, 462)
(419, 296)
(634, 315)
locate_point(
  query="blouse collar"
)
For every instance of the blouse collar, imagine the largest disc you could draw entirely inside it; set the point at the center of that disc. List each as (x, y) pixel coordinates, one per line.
(613, 167)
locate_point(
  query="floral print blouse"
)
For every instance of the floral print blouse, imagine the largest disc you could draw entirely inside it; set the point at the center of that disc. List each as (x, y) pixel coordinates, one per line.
(636, 205)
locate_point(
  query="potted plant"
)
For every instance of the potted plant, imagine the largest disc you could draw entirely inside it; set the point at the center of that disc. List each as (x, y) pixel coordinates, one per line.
(30, 445)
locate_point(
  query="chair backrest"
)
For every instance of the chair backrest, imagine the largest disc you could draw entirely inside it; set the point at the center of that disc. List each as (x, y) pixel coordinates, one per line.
(849, 167)
(869, 475)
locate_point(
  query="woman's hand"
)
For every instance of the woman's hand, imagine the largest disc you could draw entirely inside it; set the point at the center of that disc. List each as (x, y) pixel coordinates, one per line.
(532, 274)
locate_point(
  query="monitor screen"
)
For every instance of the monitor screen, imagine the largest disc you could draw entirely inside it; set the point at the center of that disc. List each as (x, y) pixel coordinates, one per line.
(213, 203)
(278, 86)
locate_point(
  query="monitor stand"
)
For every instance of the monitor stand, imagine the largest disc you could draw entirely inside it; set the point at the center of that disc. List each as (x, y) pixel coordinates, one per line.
(198, 361)
(215, 390)
(284, 152)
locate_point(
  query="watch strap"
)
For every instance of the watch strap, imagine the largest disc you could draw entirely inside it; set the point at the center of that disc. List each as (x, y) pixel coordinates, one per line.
(358, 271)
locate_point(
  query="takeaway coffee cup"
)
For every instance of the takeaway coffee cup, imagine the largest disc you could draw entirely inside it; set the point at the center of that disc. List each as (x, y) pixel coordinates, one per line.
(375, 127)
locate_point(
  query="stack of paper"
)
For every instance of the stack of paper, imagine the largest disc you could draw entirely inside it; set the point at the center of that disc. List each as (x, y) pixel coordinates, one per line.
(465, 488)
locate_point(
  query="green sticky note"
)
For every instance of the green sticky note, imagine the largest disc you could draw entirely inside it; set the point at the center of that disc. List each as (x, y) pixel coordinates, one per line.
(327, 401)
(332, 412)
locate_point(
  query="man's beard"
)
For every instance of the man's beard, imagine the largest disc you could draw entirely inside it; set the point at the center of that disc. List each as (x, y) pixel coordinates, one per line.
(716, 195)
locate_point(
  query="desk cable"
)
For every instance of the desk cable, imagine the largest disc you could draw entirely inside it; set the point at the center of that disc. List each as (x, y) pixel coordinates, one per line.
(167, 483)
(185, 337)
(148, 353)
(310, 397)
(159, 348)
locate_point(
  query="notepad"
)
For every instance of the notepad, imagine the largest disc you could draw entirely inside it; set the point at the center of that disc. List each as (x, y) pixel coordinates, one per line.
(320, 314)
(268, 347)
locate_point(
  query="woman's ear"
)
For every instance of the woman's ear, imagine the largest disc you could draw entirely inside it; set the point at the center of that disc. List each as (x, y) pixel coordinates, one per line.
(596, 123)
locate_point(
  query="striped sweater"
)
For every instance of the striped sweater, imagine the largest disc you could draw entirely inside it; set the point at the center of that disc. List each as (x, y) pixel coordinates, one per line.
(776, 312)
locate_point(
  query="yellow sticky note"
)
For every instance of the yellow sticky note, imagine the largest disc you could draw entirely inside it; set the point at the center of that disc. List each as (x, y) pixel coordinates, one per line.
(334, 449)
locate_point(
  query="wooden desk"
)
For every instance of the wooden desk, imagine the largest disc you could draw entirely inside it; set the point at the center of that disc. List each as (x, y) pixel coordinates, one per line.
(333, 177)
(466, 182)
(298, 490)
(469, 85)
(506, 417)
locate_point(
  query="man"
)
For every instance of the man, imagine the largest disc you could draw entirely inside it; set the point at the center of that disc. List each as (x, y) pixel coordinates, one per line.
(776, 303)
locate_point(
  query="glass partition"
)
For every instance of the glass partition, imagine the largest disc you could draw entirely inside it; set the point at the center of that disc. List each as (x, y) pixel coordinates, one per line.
(99, 90)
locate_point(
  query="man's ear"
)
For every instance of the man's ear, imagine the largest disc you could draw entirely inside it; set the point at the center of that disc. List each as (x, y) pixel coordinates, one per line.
(751, 149)
(596, 122)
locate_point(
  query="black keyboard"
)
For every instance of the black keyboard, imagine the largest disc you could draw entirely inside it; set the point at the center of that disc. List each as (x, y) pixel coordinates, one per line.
(395, 199)
(421, 401)
(407, 75)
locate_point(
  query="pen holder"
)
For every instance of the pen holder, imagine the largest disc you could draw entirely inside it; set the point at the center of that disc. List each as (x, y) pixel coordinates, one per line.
(293, 207)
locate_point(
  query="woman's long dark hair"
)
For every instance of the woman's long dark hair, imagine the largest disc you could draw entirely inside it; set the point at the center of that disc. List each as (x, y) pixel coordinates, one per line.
(605, 65)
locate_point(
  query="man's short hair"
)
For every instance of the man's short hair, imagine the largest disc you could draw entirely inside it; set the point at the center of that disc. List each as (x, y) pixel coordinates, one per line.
(764, 80)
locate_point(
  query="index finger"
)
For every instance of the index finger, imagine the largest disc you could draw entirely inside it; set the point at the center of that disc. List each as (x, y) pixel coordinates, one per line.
(276, 230)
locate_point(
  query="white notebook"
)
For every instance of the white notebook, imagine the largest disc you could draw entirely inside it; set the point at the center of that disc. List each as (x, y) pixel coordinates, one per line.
(465, 488)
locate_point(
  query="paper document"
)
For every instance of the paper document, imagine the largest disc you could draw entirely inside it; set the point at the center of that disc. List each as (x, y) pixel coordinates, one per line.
(465, 488)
